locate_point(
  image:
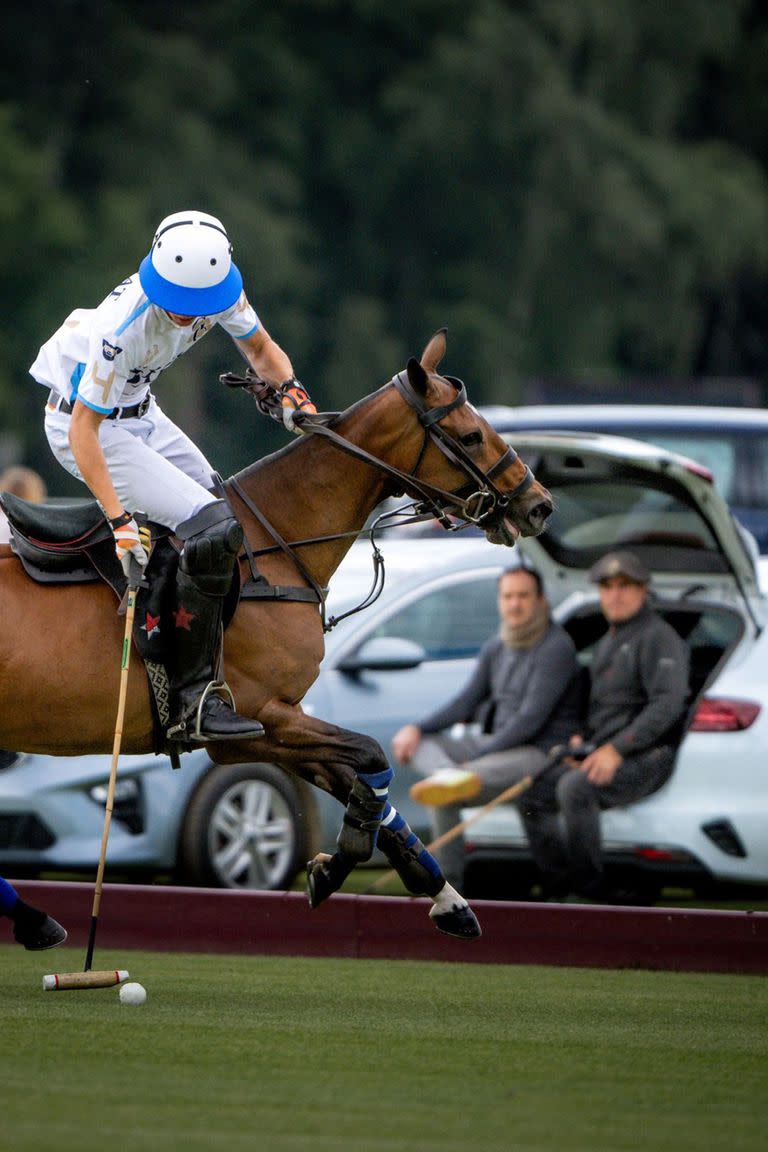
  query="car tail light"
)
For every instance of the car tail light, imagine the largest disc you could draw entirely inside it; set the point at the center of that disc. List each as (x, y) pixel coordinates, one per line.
(656, 854)
(720, 714)
(700, 470)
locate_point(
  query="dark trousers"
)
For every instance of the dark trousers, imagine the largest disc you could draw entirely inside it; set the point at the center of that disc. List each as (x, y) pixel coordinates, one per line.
(561, 816)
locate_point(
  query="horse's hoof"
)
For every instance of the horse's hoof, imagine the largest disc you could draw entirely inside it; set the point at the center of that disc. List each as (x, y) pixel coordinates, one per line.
(318, 880)
(325, 875)
(460, 922)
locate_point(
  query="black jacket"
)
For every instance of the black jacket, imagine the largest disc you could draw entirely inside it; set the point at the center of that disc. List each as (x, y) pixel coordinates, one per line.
(638, 685)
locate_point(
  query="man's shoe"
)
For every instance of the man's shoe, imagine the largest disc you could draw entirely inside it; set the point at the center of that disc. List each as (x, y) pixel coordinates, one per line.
(37, 932)
(448, 786)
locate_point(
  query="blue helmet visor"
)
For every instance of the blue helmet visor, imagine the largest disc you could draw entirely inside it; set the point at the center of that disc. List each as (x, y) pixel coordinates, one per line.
(190, 301)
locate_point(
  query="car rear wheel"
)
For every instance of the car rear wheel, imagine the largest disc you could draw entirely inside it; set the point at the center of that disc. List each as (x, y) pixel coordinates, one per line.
(244, 829)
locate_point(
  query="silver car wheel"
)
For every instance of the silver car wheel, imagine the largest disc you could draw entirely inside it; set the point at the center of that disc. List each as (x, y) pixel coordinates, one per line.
(251, 836)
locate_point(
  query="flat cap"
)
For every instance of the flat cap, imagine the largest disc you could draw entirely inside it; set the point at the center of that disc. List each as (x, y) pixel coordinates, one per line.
(620, 564)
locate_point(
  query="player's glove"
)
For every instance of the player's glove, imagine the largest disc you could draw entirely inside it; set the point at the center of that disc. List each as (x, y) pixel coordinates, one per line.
(128, 542)
(294, 398)
(281, 404)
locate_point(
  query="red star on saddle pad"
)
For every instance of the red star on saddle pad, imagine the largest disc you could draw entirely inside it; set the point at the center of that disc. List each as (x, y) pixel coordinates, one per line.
(183, 618)
(152, 625)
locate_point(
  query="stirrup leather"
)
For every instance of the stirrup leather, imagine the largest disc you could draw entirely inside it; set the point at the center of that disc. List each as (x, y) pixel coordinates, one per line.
(182, 731)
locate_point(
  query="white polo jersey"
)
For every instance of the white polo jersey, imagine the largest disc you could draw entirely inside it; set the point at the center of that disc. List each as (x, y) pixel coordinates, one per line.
(108, 357)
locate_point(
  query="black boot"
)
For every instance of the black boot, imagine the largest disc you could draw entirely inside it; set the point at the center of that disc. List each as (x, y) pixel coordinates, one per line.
(205, 705)
(35, 930)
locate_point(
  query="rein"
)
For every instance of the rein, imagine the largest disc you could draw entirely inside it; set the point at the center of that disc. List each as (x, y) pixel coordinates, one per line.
(474, 507)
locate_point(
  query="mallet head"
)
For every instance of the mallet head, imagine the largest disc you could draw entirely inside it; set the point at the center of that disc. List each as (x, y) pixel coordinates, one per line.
(61, 981)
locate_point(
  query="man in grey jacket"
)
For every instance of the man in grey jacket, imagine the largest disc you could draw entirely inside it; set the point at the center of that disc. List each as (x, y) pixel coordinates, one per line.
(626, 749)
(522, 698)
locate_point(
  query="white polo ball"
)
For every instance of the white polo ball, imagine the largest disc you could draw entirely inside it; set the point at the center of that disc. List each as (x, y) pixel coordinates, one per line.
(133, 993)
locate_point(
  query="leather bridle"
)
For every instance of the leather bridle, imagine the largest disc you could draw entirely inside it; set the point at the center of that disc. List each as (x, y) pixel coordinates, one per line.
(479, 501)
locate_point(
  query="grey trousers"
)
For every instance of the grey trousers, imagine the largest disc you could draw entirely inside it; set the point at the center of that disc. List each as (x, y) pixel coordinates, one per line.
(561, 815)
(498, 770)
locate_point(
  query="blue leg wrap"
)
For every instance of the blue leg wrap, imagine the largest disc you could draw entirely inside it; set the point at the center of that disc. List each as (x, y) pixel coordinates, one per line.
(377, 780)
(367, 801)
(8, 897)
(408, 856)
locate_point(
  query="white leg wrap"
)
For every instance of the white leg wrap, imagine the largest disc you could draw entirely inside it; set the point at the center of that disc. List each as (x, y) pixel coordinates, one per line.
(446, 900)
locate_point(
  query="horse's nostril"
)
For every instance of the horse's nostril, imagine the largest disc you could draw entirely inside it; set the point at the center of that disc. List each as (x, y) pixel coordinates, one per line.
(542, 511)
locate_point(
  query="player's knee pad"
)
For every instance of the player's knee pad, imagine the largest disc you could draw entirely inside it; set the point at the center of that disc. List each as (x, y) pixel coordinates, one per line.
(212, 541)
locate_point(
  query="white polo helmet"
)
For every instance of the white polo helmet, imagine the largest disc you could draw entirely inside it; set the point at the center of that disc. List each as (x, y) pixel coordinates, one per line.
(189, 268)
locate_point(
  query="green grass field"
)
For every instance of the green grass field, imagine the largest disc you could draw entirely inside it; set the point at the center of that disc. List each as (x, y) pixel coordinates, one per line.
(273, 1055)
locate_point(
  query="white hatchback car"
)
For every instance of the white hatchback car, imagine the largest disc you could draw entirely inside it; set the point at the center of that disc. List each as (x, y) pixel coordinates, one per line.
(707, 827)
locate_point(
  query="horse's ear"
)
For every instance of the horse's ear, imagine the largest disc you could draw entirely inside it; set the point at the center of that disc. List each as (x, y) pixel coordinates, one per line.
(417, 376)
(435, 350)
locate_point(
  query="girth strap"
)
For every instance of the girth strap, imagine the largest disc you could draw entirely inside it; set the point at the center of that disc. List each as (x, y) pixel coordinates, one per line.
(315, 593)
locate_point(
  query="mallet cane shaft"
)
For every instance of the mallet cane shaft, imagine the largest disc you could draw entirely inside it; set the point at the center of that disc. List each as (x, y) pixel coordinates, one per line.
(510, 793)
(133, 588)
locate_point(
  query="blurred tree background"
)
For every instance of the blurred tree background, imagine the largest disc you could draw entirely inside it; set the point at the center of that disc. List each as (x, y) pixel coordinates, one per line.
(576, 188)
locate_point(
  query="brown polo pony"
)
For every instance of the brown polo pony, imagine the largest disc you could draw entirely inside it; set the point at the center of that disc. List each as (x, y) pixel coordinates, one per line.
(60, 644)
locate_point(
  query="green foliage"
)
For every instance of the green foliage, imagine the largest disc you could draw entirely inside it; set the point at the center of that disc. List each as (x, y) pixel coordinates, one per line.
(574, 187)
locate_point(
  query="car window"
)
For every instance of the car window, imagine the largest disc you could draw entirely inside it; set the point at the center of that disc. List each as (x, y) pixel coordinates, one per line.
(450, 622)
(594, 517)
(716, 453)
(760, 496)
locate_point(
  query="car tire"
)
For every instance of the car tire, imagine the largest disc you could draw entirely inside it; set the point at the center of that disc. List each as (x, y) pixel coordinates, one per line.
(244, 829)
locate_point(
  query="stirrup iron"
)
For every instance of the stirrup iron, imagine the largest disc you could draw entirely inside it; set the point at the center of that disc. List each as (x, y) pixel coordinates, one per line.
(181, 731)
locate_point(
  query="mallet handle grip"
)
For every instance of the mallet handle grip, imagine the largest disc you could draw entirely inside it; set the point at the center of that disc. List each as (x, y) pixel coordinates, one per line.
(61, 981)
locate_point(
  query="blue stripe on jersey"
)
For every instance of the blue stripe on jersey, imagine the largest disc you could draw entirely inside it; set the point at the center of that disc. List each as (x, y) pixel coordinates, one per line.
(95, 407)
(134, 316)
(74, 381)
(255, 328)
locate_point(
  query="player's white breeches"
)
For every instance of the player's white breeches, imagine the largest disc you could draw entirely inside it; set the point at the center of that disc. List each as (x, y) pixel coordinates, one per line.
(155, 468)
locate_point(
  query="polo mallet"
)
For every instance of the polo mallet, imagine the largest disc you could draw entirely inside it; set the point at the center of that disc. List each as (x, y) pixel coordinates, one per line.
(106, 979)
(510, 793)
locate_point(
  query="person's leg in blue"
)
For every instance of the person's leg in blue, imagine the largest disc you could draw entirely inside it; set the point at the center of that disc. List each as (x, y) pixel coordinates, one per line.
(33, 929)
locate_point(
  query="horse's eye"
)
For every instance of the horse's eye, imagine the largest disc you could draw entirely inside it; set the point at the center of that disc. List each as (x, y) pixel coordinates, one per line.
(471, 438)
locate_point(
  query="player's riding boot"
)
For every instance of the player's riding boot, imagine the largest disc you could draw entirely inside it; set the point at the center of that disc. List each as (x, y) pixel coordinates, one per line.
(206, 706)
(35, 930)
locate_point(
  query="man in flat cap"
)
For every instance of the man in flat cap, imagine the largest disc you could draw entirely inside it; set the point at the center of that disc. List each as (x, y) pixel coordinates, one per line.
(635, 721)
